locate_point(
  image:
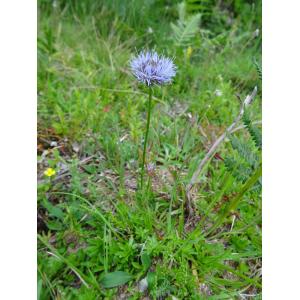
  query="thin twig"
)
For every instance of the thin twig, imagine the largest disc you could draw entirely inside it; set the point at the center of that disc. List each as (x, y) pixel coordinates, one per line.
(248, 100)
(146, 138)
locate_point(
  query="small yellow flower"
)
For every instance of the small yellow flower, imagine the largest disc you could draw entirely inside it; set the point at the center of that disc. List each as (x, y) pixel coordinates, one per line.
(49, 172)
(189, 52)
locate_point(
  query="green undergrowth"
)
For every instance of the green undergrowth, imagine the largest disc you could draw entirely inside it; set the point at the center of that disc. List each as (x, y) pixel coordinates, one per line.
(98, 236)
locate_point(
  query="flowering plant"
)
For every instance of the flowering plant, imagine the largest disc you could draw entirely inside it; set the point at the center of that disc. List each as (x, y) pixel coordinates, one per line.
(151, 69)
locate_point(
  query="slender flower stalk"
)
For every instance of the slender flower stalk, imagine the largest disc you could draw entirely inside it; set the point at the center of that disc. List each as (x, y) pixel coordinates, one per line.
(146, 137)
(151, 69)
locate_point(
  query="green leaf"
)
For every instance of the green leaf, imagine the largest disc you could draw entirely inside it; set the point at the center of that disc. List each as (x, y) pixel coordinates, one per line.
(53, 211)
(39, 288)
(151, 279)
(114, 279)
(146, 261)
(54, 225)
(136, 265)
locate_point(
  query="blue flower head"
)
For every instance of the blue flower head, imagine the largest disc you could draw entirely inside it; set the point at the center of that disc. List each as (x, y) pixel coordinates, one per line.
(150, 68)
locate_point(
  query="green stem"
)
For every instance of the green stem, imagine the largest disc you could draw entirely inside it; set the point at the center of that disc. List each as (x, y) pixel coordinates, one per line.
(146, 137)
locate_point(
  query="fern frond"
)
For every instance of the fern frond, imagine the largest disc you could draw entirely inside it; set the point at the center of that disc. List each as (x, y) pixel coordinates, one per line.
(257, 187)
(258, 69)
(253, 130)
(185, 30)
(245, 151)
(246, 157)
(205, 7)
(238, 170)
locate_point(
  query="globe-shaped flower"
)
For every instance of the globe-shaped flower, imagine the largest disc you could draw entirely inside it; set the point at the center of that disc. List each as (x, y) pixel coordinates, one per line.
(150, 68)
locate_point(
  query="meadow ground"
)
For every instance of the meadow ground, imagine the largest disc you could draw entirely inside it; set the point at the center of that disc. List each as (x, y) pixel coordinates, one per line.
(99, 235)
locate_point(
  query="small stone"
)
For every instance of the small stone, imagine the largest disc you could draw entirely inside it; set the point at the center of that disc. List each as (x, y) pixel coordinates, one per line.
(53, 144)
(150, 30)
(256, 33)
(143, 285)
(218, 93)
(76, 147)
